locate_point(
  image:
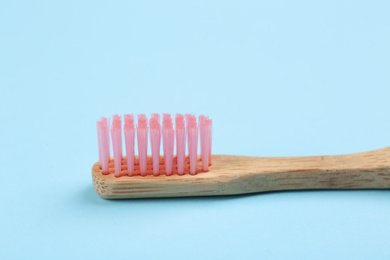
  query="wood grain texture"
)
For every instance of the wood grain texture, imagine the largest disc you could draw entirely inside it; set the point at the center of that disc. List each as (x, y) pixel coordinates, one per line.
(231, 174)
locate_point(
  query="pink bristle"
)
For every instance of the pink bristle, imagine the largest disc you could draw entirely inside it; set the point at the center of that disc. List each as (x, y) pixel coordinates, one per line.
(168, 142)
(205, 132)
(155, 140)
(156, 116)
(187, 117)
(210, 124)
(105, 141)
(166, 117)
(129, 142)
(192, 135)
(180, 143)
(142, 139)
(187, 129)
(99, 136)
(116, 136)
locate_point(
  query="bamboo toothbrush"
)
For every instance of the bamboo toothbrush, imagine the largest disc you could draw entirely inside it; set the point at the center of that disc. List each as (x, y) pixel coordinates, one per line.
(169, 175)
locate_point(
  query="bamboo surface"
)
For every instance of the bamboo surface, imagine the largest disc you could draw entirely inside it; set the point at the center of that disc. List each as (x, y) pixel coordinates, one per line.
(231, 174)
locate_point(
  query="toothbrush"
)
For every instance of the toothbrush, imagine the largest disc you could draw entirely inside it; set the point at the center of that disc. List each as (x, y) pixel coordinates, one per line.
(168, 175)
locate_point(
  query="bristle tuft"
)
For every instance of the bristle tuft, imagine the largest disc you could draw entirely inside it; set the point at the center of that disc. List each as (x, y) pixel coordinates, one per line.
(180, 143)
(168, 142)
(99, 136)
(129, 142)
(155, 140)
(142, 138)
(116, 136)
(104, 144)
(205, 138)
(192, 135)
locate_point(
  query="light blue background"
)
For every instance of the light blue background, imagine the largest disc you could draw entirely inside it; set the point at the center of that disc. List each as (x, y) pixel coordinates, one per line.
(279, 78)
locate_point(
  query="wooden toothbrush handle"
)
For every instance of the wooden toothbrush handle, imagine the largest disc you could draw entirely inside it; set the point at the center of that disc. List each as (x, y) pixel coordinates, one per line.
(231, 174)
(367, 170)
